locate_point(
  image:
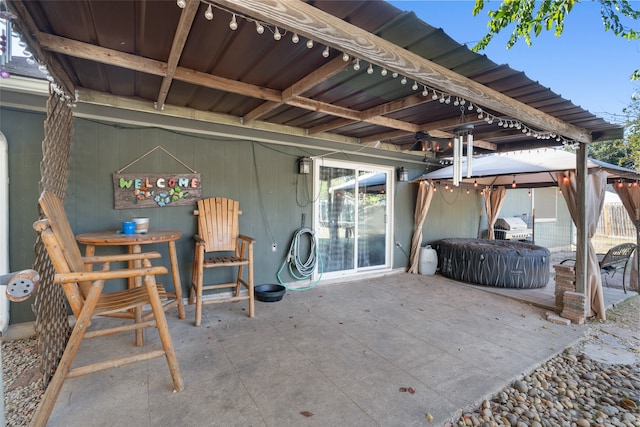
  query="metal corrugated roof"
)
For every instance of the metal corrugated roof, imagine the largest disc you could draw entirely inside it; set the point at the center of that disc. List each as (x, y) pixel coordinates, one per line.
(126, 49)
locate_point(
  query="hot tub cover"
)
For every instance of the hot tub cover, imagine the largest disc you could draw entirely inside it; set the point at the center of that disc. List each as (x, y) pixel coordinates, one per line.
(499, 263)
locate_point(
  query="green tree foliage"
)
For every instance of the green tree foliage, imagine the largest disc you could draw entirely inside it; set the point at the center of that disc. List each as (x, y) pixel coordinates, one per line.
(632, 128)
(531, 17)
(622, 152)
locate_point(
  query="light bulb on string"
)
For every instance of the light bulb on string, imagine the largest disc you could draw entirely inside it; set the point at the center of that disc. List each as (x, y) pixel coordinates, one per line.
(208, 14)
(325, 52)
(309, 43)
(356, 66)
(475, 183)
(383, 72)
(415, 85)
(370, 69)
(233, 24)
(425, 92)
(345, 56)
(295, 38)
(513, 184)
(404, 80)
(394, 74)
(276, 34)
(259, 28)
(181, 4)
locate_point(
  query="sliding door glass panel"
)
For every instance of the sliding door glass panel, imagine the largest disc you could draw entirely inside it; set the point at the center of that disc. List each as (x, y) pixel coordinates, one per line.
(337, 206)
(372, 215)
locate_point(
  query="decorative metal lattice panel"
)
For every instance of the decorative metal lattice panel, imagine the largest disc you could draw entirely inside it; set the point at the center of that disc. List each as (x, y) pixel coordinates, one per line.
(52, 322)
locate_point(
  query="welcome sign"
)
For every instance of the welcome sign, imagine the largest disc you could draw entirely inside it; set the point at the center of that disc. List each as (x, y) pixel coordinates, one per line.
(132, 191)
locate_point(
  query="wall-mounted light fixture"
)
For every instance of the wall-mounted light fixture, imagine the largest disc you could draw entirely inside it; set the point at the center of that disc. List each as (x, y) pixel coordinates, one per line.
(304, 165)
(403, 174)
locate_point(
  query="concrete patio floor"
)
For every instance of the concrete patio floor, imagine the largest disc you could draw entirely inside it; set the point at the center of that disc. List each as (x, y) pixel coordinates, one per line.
(339, 354)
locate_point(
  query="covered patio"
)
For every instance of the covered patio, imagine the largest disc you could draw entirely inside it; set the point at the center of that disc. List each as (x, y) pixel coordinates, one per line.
(315, 79)
(334, 355)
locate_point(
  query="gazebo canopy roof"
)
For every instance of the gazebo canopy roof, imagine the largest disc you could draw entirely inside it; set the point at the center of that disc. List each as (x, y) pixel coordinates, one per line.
(157, 57)
(529, 168)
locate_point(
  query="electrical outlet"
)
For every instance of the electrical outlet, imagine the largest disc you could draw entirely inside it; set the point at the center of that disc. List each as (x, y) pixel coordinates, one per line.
(274, 247)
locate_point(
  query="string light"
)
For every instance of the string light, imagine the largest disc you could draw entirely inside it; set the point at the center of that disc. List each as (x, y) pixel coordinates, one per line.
(209, 15)
(356, 66)
(443, 97)
(182, 4)
(233, 24)
(513, 184)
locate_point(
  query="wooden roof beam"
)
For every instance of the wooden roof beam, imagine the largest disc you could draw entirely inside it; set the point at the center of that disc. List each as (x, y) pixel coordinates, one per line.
(125, 60)
(311, 22)
(379, 110)
(179, 40)
(316, 77)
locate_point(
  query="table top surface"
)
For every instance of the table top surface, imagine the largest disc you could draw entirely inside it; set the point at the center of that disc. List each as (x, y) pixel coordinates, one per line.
(116, 237)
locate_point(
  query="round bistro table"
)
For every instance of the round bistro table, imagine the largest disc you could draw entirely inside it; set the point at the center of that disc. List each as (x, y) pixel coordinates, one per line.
(134, 243)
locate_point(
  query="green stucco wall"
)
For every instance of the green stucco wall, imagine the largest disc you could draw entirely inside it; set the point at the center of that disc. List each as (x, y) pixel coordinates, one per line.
(261, 175)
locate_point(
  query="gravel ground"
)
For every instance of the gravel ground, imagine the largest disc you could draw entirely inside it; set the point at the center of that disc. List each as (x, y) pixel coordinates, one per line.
(572, 389)
(595, 383)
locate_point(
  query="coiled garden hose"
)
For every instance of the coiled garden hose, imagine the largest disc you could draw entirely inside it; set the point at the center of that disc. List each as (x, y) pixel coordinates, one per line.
(298, 268)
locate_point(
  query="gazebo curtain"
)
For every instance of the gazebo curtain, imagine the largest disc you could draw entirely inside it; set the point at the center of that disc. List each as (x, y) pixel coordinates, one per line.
(425, 194)
(493, 199)
(630, 197)
(595, 191)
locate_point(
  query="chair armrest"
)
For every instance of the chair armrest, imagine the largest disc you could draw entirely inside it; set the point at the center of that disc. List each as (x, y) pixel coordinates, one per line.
(247, 238)
(120, 257)
(198, 238)
(89, 276)
(567, 260)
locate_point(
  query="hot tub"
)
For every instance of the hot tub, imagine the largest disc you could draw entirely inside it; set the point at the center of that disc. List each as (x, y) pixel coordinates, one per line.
(499, 263)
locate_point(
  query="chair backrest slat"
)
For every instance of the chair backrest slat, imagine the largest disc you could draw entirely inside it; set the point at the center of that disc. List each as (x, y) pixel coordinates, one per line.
(65, 241)
(617, 254)
(218, 223)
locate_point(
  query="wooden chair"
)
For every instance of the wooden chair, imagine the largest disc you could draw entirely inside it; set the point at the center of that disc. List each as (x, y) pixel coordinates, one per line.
(84, 291)
(218, 232)
(615, 259)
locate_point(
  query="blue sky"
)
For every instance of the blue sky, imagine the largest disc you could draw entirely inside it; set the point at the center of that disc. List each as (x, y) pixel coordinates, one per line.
(586, 65)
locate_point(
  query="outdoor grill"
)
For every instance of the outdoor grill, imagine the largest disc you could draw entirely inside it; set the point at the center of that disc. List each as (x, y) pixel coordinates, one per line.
(512, 228)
